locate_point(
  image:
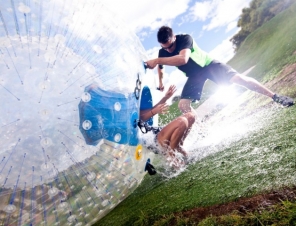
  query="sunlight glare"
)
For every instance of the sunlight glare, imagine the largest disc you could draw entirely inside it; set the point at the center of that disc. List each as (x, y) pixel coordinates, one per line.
(225, 94)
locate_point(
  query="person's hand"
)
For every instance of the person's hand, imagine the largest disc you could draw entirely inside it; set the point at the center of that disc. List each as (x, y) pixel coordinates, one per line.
(151, 63)
(170, 92)
(161, 109)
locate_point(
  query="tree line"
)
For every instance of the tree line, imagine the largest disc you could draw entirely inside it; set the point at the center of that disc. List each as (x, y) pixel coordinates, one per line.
(258, 12)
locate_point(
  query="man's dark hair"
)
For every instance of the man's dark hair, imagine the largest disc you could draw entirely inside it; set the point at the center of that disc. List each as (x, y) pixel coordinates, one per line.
(164, 34)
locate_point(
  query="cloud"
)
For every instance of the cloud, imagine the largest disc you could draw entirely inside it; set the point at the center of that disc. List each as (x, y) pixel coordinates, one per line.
(201, 10)
(145, 14)
(153, 53)
(224, 51)
(178, 79)
(219, 13)
(231, 26)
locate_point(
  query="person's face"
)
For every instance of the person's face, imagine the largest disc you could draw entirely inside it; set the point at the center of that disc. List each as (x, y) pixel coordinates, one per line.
(170, 46)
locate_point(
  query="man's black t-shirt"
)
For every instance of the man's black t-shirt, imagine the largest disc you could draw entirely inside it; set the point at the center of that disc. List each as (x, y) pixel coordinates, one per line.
(197, 60)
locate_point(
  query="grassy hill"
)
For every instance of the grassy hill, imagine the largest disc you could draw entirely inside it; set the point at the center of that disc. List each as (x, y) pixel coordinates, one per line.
(270, 48)
(257, 161)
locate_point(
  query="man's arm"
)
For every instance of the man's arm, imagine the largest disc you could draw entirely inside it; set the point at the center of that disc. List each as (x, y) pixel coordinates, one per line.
(178, 60)
(160, 77)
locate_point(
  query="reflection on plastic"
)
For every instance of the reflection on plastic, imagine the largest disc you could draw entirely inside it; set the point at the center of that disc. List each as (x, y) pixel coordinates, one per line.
(51, 52)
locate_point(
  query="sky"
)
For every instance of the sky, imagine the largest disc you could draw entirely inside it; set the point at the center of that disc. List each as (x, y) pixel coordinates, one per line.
(211, 23)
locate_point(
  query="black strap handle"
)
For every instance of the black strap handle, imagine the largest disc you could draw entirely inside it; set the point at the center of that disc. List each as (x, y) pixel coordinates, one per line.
(138, 87)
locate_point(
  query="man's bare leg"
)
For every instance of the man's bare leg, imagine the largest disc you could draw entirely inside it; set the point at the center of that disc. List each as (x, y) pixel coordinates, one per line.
(174, 134)
(254, 85)
(185, 106)
(251, 84)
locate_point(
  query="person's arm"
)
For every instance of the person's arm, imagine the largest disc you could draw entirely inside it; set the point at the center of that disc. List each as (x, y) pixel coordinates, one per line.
(172, 89)
(160, 108)
(160, 77)
(178, 60)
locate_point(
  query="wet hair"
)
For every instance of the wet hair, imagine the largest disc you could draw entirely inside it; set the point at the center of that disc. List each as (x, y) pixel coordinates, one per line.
(164, 34)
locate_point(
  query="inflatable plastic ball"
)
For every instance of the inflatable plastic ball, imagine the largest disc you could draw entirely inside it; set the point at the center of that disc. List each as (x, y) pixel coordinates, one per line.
(70, 89)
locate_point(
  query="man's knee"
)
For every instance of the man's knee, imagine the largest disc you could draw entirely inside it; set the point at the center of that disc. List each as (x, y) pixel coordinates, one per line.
(237, 79)
(190, 117)
(242, 79)
(186, 120)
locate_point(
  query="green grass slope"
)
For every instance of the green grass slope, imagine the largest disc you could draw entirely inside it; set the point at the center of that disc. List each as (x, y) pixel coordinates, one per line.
(269, 48)
(258, 161)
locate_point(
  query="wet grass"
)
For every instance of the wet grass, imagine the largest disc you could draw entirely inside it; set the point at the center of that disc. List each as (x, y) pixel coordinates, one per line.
(281, 214)
(262, 161)
(258, 161)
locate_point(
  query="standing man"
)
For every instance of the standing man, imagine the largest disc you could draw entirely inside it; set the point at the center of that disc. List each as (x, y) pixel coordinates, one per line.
(198, 66)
